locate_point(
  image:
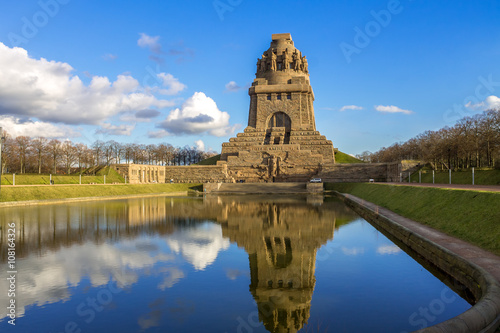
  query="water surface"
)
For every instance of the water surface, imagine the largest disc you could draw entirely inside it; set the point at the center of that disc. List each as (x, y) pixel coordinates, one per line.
(219, 264)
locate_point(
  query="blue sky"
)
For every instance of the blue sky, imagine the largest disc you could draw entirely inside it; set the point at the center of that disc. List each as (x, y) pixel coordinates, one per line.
(178, 71)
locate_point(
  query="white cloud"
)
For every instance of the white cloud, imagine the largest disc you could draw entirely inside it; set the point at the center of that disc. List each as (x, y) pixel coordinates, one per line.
(391, 109)
(109, 57)
(352, 251)
(200, 245)
(49, 278)
(17, 127)
(171, 85)
(172, 276)
(197, 115)
(491, 102)
(110, 129)
(150, 42)
(200, 145)
(232, 86)
(50, 92)
(351, 107)
(158, 134)
(142, 116)
(388, 249)
(233, 274)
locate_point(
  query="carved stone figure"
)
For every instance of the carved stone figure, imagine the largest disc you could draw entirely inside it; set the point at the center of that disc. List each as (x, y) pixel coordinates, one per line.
(263, 63)
(296, 61)
(305, 66)
(259, 65)
(286, 59)
(273, 61)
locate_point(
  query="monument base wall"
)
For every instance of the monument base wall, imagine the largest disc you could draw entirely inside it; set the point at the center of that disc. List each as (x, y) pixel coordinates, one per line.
(255, 173)
(196, 174)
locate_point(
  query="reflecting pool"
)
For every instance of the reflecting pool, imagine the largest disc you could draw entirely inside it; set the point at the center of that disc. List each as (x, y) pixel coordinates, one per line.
(214, 264)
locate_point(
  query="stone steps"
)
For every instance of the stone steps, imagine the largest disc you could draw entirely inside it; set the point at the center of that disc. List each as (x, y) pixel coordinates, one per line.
(262, 188)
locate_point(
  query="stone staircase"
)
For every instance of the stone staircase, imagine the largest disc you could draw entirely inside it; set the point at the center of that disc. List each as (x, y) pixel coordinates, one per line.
(262, 188)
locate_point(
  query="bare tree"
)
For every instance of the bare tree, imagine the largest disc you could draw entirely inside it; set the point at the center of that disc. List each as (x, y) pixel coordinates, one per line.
(39, 145)
(55, 152)
(69, 155)
(22, 147)
(80, 151)
(97, 147)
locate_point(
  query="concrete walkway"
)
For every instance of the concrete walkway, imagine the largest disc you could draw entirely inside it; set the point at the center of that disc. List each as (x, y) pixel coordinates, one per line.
(488, 188)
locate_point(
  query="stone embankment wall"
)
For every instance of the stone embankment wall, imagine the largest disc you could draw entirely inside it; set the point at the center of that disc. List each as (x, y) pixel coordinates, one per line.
(196, 174)
(224, 173)
(358, 172)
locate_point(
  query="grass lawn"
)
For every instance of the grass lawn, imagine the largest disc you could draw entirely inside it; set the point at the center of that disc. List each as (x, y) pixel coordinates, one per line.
(35, 179)
(341, 157)
(72, 191)
(209, 161)
(469, 215)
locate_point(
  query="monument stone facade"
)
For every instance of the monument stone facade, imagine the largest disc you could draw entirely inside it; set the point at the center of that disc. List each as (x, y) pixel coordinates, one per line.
(281, 142)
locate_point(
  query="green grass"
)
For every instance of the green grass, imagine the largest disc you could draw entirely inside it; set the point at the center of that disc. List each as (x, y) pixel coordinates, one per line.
(469, 215)
(209, 161)
(341, 157)
(72, 191)
(35, 179)
(481, 177)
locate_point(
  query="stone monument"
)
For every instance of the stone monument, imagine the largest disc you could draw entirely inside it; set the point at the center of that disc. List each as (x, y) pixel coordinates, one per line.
(280, 142)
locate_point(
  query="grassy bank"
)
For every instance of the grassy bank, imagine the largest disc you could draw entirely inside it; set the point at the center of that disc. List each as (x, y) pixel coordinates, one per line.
(468, 215)
(72, 191)
(44, 179)
(341, 157)
(209, 161)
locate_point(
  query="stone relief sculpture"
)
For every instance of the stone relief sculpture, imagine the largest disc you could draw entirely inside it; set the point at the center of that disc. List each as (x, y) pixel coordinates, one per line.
(286, 59)
(293, 61)
(305, 66)
(263, 63)
(273, 61)
(297, 63)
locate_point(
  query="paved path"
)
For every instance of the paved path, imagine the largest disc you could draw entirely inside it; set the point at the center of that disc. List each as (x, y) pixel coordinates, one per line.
(490, 188)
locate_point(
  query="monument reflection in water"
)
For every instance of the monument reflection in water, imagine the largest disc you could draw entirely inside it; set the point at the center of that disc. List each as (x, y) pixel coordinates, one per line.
(177, 265)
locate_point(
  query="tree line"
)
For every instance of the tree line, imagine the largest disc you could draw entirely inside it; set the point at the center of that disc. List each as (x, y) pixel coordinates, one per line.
(471, 142)
(24, 154)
